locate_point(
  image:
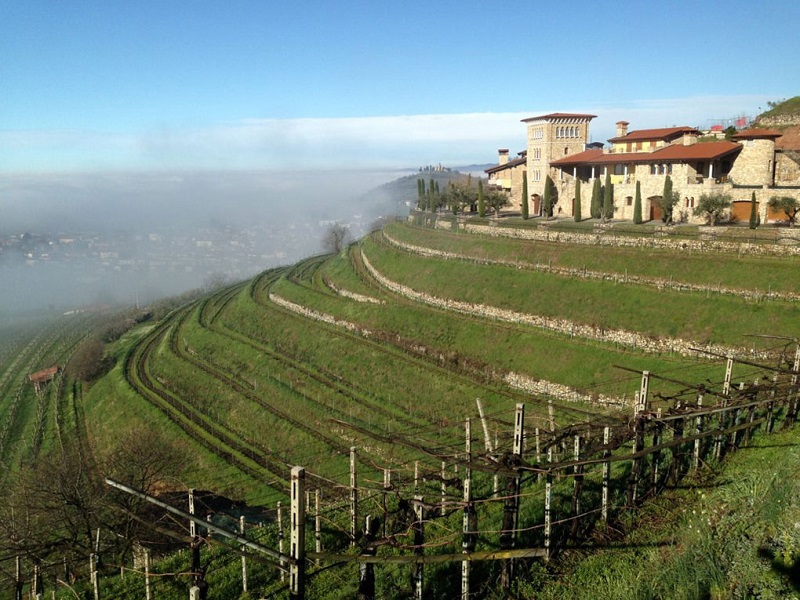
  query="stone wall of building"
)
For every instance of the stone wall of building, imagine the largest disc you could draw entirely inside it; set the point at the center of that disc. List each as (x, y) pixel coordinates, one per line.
(754, 164)
(787, 170)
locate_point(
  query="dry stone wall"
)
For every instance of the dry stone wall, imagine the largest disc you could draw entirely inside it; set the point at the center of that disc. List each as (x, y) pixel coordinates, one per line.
(351, 295)
(618, 278)
(606, 239)
(631, 339)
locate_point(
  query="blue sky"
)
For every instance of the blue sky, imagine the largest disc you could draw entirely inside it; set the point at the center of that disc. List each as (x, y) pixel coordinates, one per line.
(120, 85)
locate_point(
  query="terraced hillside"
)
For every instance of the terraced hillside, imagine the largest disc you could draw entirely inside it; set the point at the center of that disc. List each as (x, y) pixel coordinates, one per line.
(387, 347)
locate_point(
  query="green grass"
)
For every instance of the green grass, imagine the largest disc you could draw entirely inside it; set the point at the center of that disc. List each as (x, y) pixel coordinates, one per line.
(733, 536)
(703, 318)
(763, 273)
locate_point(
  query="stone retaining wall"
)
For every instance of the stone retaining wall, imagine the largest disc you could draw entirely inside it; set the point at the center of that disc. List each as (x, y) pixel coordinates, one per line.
(655, 282)
(609, 239)
(317, 316)
(351, 295)
(629, 339)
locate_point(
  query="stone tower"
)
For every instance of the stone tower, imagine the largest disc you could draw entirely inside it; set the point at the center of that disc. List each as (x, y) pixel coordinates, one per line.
(551, 137)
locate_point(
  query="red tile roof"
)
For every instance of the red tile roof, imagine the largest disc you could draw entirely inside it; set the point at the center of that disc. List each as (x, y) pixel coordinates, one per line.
(560, 116)
(654, 134)
(512, 163)
(44, 374)
(751, 134)
(671, 154)
(699, 151)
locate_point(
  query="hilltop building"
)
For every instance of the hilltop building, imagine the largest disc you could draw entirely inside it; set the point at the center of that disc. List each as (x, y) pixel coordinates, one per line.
(558, 146)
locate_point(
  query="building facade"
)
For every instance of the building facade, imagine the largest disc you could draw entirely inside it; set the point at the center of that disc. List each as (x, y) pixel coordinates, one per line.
(748, 163)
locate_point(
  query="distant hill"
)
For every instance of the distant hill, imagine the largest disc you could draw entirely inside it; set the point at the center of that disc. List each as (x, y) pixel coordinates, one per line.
(402, 192)
(785, 117)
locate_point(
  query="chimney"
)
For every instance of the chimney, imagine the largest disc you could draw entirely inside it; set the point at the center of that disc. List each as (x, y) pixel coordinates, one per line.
(502, 156)
(622, 128)
(689, 138)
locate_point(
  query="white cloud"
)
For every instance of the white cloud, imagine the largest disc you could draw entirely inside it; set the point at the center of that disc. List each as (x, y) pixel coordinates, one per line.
(365, 142)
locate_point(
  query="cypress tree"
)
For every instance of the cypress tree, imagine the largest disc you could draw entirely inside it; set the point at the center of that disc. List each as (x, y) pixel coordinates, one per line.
(481, 204)
(594, 210)
(548, 197)
(753, 212)
(421, 194)
(637, 204)
(577, 211)
(666, 200)
(608, 199)
(525, 195)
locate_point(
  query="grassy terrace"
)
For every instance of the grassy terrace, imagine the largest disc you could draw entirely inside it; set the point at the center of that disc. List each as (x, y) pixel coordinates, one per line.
(648, 229)
(742, 272)
(514, 348)
(248, 386)
(633, 308)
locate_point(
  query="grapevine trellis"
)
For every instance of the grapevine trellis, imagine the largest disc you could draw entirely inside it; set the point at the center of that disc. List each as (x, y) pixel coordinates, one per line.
(583, 474)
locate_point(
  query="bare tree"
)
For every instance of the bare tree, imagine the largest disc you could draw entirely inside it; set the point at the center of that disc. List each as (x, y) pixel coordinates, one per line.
(336, 237)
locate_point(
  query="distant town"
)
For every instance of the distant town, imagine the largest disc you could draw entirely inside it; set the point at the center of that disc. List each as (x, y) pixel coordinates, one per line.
(126, 267)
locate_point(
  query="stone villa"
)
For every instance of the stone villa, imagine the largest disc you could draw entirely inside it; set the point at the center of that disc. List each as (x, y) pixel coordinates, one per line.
(557, 146)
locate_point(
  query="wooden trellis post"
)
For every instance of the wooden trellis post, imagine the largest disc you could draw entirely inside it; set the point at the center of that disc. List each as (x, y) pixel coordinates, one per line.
(244, 559)
(297, 535)
(548, 513)
(443, 473)
(353, 498)
(508, 535)
(606, 473)
(366, 571)
(638, 437)
(577, 484)
(698, 426)
(281, 537)
(18, 583)
(655, 457)
(419, 550)
(469, 523)
(317, 522)
(676, 467)
(148, 581)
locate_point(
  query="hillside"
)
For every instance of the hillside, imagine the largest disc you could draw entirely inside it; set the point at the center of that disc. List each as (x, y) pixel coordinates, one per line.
(385, 348)
(785, 117)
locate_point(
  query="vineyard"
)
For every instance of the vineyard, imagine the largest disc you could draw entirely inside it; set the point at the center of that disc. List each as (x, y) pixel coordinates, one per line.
(467, 408)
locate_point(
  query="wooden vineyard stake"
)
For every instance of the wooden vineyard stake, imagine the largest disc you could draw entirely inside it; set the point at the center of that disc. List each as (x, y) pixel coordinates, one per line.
(606, 473)
(297, 535)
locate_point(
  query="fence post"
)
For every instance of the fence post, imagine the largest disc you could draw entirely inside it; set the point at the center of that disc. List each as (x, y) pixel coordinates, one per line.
(18, 585)
(148, 584)
(606, 472)
(577, 484)
(318, 523)
(366, 571)
(353, 498)
(468, 524)
(508, 535)
(638, 437)
(443, 488)
(297, 538)
(698, 426)
(655, 457)
(548, 513)
(94, 575)
(419, 550)
(281, 537)
(677, 451)
(244, 558)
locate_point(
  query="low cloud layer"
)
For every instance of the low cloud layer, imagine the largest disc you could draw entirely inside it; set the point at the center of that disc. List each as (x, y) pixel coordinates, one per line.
(338, 143)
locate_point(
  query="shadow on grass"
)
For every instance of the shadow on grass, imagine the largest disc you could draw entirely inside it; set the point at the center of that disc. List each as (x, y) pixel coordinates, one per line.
(789, 572)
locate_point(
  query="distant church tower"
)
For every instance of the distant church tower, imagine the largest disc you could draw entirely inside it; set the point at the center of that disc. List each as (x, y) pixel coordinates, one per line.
(551, 137)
